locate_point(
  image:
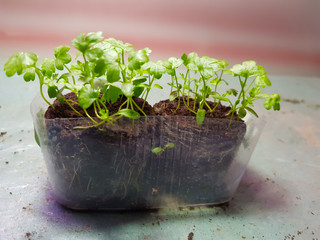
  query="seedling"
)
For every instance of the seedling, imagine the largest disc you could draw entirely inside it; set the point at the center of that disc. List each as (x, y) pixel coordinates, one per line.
(201, 80)
(160, 150)
(106, 70)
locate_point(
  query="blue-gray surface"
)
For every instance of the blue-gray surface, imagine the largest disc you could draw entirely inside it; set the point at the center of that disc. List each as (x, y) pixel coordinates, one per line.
(278, 197)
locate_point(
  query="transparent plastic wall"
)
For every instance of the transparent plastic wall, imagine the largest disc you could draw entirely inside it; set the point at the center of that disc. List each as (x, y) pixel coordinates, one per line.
(114, 166)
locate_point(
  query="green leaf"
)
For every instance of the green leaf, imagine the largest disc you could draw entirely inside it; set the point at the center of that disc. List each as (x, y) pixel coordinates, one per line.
(53, 91)
(138, 58)
(191, 61)
(157, 86)
(100, 67)
(59, 64)
(62, 57)
(216, 95)
(262, 81)
(175, 62)
(157, 150)
(19, 62)
(87, 96)
(173, 95)
(247, 69)
(272, 101)
(113, 73)
(113, 94)
(83, 43)
(232, 91)
(252, 111)
(93, 54)
(155, 68)
(139, 80)
(111, 56)
(201, 113)
(119, 46)
(254, 91)
(186, 87)
(127, 89)
(129, 113)
(48, 67)
(170, 145)
(137, 91)
(242, 112)
(29, 75)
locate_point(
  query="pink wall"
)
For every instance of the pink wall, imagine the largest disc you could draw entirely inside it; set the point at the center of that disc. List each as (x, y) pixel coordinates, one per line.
(282, 35)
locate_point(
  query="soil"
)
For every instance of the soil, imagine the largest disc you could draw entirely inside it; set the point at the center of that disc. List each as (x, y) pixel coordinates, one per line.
(169, 108)
(190, 236)
(119, 157)
(64, 111)
(163, 108)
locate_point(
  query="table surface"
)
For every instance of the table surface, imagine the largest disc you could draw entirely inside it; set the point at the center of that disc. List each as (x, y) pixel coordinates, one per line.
(278, 197)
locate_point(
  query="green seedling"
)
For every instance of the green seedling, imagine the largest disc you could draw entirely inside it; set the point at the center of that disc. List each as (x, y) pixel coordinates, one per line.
(160, 150)
(106, 70)
(203, 76)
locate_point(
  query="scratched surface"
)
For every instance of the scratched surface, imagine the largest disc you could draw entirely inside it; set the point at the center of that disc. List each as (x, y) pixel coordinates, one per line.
(278, 197)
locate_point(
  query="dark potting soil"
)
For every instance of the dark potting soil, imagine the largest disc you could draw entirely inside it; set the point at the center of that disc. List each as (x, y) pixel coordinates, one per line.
(169, 108)
(113, 166)
(64, 111)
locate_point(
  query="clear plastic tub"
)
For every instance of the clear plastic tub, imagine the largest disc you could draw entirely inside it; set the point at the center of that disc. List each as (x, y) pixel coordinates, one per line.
(113, 167)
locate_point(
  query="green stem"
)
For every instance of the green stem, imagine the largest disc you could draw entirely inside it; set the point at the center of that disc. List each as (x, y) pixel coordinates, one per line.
(73, 109)
(42, 95)
(74, 81)
(249, 86)
(184, 101)
(87, 114)
(148, 91)
(205, 102)
(139, 108)
(215, 106)
(40, 76)
(102, 103)
(95, 110)
(122, 104)
(178, 90)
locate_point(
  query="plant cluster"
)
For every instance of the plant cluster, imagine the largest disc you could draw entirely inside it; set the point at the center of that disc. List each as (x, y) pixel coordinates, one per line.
(106, 70)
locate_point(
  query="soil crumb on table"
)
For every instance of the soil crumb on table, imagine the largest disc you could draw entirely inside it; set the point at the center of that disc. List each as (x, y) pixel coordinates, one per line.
(190, 236)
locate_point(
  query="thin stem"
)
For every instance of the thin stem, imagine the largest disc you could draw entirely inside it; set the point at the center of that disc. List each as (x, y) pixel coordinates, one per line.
(74, 81)
(95, 110)
(205, 102)
(122, 104)
(178, 90)
(68, 102)
(139, 108)
(87, 114)
(215, 106)
(249, 86)
(42, 95)
(40, 76)
(148, 91)
(188, 106)
(102, 103)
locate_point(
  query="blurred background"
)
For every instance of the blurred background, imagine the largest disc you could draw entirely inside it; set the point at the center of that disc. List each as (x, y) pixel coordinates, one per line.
(283, 36)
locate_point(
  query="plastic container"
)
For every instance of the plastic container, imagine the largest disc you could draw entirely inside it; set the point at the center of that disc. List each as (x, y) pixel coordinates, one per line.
(114, 168)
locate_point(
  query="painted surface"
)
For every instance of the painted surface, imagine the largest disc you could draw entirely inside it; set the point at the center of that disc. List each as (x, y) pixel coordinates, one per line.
(278, 197)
